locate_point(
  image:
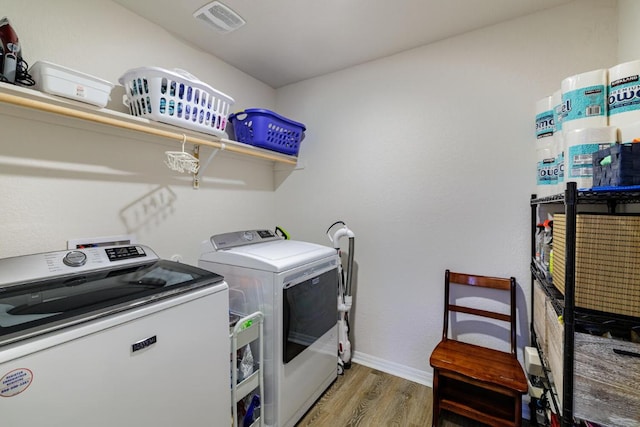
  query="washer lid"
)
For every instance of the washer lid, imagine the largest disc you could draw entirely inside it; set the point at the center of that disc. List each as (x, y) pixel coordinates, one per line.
(275, 256)
(64, 299)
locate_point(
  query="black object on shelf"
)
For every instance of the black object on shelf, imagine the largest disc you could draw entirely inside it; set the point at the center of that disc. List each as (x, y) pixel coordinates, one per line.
(623, 168)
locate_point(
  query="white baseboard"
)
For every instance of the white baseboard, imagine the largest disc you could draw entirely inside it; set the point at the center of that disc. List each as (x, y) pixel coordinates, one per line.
(412, 374)
(396, 369)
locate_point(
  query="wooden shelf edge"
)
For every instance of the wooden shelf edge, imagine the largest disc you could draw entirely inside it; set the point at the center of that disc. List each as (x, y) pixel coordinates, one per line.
(35, 100)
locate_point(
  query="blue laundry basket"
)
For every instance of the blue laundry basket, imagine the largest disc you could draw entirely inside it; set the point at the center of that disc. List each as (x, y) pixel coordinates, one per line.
(269, 130)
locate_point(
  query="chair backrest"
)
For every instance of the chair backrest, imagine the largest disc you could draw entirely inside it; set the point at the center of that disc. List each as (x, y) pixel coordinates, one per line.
(503, 284)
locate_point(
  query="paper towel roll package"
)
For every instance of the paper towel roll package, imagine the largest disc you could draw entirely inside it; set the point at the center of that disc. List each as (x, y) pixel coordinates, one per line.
(584, 100)
(624, 93)
(581, 144)
(544, 118)
(547, 168)
(556, 103)
(559, 151)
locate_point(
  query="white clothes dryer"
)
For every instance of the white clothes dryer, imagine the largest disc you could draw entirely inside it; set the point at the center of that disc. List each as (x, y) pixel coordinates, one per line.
(295, 285)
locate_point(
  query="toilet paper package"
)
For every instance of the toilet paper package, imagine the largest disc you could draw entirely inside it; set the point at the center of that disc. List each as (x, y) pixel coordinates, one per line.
(580, 146)
(624, 94)
(584, 100)
(544, 118)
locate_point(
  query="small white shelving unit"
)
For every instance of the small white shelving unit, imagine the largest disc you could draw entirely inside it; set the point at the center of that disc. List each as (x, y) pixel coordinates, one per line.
(247, 331)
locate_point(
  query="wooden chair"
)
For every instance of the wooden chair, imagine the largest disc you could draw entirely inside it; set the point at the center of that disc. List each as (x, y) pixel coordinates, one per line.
(474, 381)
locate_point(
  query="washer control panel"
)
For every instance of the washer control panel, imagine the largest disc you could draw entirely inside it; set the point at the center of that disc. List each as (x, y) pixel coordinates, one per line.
(29, 268)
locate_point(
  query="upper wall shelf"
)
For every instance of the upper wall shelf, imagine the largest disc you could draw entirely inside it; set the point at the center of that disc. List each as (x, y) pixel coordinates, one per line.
(33, 100)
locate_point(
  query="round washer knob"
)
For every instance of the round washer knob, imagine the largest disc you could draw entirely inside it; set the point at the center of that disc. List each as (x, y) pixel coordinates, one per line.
(75, 259)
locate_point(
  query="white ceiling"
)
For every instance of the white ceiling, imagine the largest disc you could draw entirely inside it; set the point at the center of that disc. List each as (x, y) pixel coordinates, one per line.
(286, 41)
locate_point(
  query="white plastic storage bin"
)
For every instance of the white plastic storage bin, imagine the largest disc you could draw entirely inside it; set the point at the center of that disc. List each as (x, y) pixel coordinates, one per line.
(177, 98)
(62, 81)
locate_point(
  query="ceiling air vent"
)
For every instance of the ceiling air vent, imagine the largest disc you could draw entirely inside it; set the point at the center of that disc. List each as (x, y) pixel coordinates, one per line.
(220, 17)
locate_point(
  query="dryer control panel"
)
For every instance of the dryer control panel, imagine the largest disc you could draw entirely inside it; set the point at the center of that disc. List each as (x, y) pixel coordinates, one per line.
(241, 238)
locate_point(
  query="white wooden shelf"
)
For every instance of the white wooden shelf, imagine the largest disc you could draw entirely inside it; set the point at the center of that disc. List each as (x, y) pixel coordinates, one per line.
(28, 100)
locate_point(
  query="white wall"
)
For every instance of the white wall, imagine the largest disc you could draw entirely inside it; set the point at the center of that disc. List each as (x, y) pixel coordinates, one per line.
(629, 33)
(59, 182)
(428, 156)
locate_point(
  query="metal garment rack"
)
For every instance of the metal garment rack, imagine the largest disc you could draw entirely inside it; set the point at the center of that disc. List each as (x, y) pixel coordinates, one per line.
(571, 198)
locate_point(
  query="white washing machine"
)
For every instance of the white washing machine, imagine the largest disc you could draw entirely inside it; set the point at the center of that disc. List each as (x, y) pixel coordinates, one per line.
(295, 285)
(112, 336)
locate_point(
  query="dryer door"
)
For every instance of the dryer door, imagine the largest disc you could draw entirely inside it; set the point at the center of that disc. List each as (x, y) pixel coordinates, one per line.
(310, 309)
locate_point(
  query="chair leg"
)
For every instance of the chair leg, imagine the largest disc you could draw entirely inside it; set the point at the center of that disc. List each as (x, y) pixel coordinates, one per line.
(518, 411)
(435, 418)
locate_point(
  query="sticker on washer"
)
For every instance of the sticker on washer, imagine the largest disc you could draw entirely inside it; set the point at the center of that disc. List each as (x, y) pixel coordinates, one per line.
(15, 382)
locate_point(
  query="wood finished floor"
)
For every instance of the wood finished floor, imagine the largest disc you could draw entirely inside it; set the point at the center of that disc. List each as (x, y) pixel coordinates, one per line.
(368, 397)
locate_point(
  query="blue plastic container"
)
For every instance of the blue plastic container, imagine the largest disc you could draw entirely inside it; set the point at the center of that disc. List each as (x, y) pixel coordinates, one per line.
(269, 130)
(624, 169)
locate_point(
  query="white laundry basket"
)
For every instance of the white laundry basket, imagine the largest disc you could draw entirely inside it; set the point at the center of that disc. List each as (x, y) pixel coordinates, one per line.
(177, 98)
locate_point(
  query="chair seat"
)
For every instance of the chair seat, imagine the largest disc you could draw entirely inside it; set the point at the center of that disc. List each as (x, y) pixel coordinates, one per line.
(489, 368)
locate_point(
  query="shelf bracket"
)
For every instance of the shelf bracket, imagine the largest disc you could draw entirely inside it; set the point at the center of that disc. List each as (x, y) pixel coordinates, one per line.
(205, 165)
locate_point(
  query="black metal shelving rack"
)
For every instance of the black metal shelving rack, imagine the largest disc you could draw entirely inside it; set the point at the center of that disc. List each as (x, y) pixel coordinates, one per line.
(566, 306)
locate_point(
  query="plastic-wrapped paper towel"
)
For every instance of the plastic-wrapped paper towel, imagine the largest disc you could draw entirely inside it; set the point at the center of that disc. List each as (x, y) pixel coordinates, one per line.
(581, 144)
(558, 136)
(546, 161)
(547, 168)
(624, 94)
(559, 149)
(544, 118)
(584, 100)
(556, 104)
